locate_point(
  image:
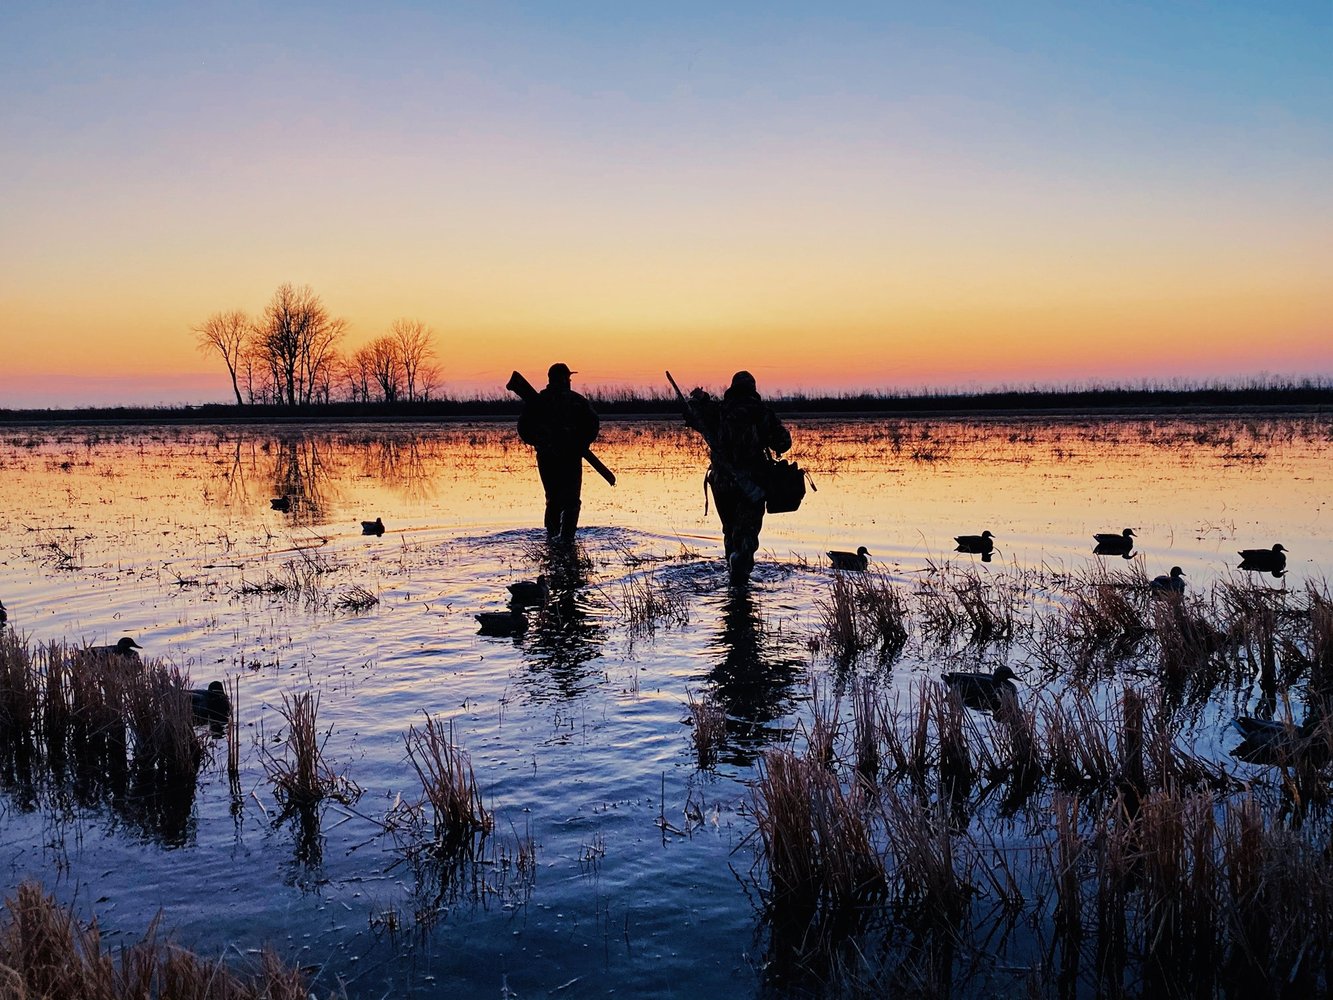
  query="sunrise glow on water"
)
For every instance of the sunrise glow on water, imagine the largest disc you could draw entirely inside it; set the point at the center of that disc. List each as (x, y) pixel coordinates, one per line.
(575, 728)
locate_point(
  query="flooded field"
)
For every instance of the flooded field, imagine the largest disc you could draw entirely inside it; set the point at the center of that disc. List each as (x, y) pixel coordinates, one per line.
(688, 790)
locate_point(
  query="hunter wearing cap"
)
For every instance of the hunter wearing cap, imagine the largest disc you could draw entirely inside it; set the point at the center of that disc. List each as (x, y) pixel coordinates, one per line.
(560, 424)
(742, 430)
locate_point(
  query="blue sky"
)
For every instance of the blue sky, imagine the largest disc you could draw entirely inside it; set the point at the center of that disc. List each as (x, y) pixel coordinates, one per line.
(590, 168)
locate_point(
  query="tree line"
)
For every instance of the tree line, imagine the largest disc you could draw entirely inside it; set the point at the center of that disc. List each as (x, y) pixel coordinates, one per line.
(289, 354)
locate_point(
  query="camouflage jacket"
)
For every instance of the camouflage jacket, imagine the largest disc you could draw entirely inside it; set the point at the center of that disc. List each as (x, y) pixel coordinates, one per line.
(742, 428)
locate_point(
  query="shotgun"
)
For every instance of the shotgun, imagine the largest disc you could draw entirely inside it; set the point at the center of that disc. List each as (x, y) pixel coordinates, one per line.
(523, 389)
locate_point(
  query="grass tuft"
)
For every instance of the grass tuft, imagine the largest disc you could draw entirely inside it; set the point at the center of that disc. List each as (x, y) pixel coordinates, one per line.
(709, 721)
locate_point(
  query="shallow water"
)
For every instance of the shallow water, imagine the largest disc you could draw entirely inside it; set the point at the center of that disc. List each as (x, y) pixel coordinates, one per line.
(575, 730)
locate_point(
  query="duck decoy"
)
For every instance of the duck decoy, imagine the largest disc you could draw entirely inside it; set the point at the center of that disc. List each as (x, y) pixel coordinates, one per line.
(858, 560)
(375, 527)
(210, 704)
(981, 690)
(124, 649)
(1279, 744)
(283, 504)
(1111, 544)
(527, 592)
(512, 622)
(978, 545)
(1272, 560)
(1172, 584)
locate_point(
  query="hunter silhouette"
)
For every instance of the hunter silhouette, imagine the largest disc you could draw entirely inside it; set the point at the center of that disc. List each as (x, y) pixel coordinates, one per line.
(741, 431)
(560, 424)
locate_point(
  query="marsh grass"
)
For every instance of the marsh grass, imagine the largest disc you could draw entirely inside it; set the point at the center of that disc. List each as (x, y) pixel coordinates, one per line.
(446, 834)
(647, 602)
(818, 851)
(105, 729)
(989, 609)
(456, 818)
(355, 599)
(862, 612)
(1106, 612)
(234, 743)
(957, 603)
(302, 777)
(709, 732)
(1192, 647)
(45, 952)
(1133, 858)
(302, 579)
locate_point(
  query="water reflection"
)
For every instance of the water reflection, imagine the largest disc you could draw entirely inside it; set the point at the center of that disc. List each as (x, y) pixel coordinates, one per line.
(753, 679)
(307, 838)
(1113, 549)
(1249, 567)
(399, 461)
(566, 633)
(300, 478)
(97, 763)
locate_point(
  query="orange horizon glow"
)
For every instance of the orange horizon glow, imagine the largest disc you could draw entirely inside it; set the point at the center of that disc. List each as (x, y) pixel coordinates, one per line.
(1235, 333)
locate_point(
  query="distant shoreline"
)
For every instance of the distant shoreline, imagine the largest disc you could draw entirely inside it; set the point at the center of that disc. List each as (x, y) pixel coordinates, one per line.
(1122, 403)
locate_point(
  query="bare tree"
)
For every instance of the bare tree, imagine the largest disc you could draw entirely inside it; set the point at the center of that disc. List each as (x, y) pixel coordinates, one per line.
(356, 375)
(296, 343)
(416, 353)
(386, 367)
(228, 333)
(258, 386)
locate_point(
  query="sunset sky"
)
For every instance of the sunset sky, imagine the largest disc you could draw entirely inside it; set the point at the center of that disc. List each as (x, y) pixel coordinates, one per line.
(836, 196)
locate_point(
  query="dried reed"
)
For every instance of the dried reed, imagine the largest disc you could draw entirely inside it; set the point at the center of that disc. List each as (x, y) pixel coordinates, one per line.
(645, 603)
(45, 952)
(955, 602)
(869, 722)
(114, 730)
(300, 579)
(990, 611)
(818, 850)
(1104, 615)
(302, 777)
(355, 599)
(709, 720)
(863, 611)
(1189, 641)
(449, 788)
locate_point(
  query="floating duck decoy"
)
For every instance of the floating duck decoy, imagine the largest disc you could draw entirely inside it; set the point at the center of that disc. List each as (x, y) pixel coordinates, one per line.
(858, 560)
(210, 704)
(512, 622)
(984, 691)
(978, 545)
(526, 592)
(124, 649)
(283, 504)
(1272, 560)
(1172, 584)
(1279, 744)
(1111, 544)
(375, 527)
